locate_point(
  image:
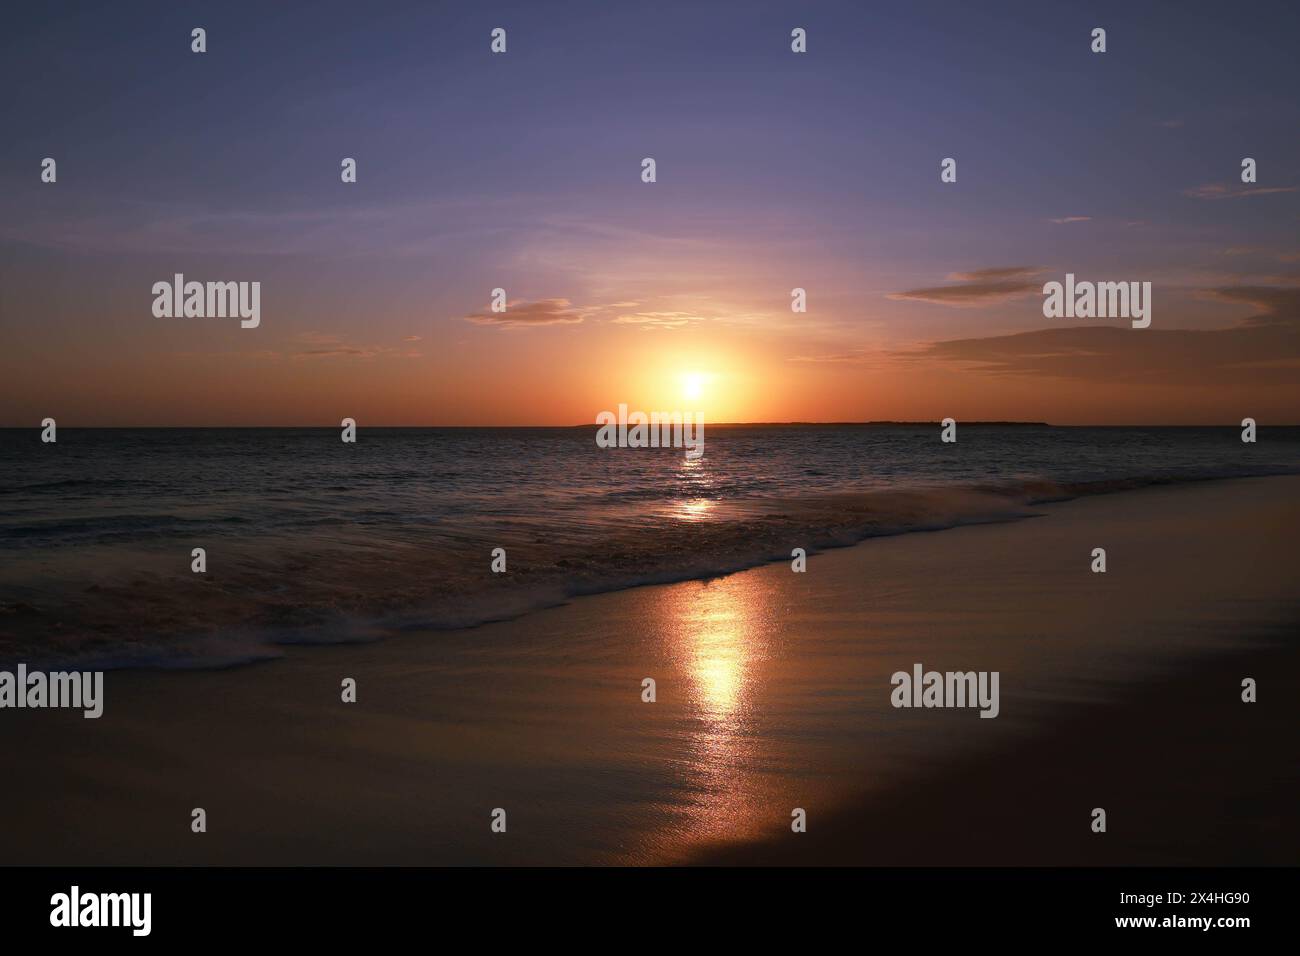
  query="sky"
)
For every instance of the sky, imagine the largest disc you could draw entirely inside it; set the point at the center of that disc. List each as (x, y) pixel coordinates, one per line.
(774, 170)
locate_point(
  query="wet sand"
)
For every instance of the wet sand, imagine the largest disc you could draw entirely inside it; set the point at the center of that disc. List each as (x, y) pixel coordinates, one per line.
(1187, 773)
(1118, 690)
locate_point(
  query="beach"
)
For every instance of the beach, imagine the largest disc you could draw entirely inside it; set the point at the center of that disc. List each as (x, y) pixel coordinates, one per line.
(1119, 690)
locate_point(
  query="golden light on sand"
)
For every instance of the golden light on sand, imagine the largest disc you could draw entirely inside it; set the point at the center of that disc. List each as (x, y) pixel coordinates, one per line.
(719, 636)
(719, 675)
(720, 652)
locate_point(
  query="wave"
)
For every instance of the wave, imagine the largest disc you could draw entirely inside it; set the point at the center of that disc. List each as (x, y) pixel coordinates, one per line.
(332, 592)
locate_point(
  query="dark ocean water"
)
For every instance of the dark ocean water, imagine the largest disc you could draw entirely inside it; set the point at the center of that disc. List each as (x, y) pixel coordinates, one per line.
(311, 539)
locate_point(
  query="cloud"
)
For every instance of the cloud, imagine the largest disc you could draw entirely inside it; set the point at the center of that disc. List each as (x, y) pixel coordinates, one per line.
(103, 224)
(977, 288)
(668, 312)
(1001, 272)
(1263, 349)
(530, 314)
(1277, 305)
(850, 357)
(657, 320)
(1280, 255)
(1222, 191)
(1067, 219)
(316, 345)
(308, 346)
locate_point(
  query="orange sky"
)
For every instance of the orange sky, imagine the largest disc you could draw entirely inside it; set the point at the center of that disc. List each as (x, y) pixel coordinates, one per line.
(746, 366)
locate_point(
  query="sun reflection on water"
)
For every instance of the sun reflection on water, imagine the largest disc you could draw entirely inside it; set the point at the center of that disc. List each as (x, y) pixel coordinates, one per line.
(699, 509)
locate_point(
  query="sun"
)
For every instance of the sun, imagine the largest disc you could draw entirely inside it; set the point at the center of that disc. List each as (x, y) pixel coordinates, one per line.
(693, 385)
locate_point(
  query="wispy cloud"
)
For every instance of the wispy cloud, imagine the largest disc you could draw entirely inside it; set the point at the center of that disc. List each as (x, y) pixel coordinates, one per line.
(658, 320)
(1068, 219)
(524, 315)
(1276, 304)
(1263, 349)
(1264, 252)
(659, 312)
(979, 287)
(388, 229)
(310, 346)
(316, 345)
(848, 357)
(1226, 191)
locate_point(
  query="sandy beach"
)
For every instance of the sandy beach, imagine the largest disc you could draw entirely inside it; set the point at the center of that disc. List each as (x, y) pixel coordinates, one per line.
(1118, 690)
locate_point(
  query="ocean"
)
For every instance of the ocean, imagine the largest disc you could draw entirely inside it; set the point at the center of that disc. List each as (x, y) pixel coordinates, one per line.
(308, 539)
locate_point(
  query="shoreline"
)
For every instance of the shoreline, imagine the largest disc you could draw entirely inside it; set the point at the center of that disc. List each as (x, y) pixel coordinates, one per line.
(869, 515)
(772, 693)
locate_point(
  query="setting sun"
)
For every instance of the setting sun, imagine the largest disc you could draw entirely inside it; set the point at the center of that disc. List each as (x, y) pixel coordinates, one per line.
(693, 385)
